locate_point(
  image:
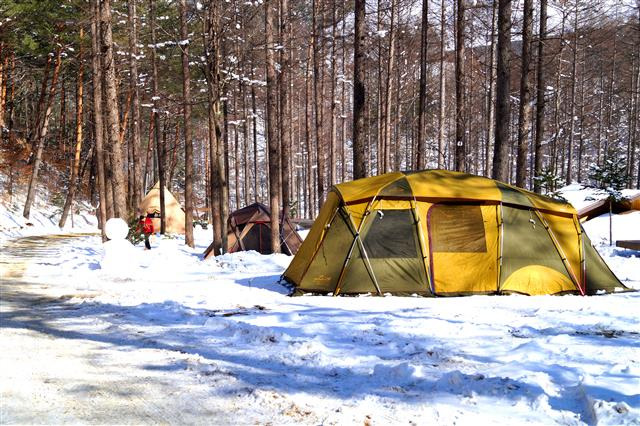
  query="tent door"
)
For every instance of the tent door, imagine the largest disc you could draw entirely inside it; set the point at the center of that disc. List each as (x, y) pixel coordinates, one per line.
(463, 247)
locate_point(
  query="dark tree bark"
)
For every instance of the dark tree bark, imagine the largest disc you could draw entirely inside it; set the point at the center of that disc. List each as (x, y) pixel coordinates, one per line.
(333, 152)
(388, 90)
(574, 70)
(41, 105)
(41, 136)
(460, 88)
(307, 135)
(442, 99)
(422, 95)
(524, 111)
(73, 180)
(112, 113)
(503, 106)
(254, 136)
(283, 83)
(98, 127)
(540, 100)
(359, 130)
(135, 99)
(160, 152)
(491, 105)
(272, 138)
(318, 97)
(188, 144)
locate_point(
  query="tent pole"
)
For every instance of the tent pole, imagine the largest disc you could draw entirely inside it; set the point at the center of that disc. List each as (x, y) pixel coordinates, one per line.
(367, 265)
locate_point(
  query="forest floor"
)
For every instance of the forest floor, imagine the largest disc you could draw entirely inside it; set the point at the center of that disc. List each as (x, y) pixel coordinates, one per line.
(222, 344)
(164, 337)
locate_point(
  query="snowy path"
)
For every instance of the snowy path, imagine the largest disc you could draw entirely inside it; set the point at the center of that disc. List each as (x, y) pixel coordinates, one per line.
(58, 374)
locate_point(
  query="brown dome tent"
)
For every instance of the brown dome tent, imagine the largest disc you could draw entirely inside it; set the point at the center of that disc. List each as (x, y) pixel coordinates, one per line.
(443, 233)
(174, 214)
(249, 228)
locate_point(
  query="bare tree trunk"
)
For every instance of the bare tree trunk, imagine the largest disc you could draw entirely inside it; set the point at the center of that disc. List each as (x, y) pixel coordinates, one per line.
(442, 100)
(4, 67)
(188, 144)
(236, 149)
(272, 139)
(610, 126)
(422, 93)
(524, 112)
(245, 144)
(283, 83)
(156, 117)
(389, 90)
(359, 130)
(491, 105)
(254, 115)
(307, 133)
(574, 71)
(557, 93)
(333, 154)
(133, 86)
(148, 157)
(581, 118)
(223, 160)
(637, 127)
(11, 106)
(540, 100)
(343, 97)
(62, 136)
(41, 105)
(380, 83)
(318, 98)
(503, 107)
(113, 119)
(42, 134)
(96, 73)
(73, 181)
(460, 88)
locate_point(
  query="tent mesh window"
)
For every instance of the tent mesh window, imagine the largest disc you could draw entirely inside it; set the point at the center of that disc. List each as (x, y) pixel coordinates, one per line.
(457, 228)
(391, 235)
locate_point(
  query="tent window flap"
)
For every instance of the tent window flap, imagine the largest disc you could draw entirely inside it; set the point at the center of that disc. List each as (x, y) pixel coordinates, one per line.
(391, 235)
(457, 228)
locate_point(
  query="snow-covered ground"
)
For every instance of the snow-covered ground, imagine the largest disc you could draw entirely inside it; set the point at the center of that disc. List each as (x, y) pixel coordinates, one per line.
(181, 340)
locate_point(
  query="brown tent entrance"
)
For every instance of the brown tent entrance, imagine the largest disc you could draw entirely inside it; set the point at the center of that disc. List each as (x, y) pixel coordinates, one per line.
(249, 228)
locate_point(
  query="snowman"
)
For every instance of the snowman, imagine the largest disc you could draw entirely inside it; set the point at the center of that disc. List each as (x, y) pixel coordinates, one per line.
(119, 256)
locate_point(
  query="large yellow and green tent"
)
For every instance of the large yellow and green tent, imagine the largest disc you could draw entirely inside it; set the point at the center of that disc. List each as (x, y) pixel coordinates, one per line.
(444, 233)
